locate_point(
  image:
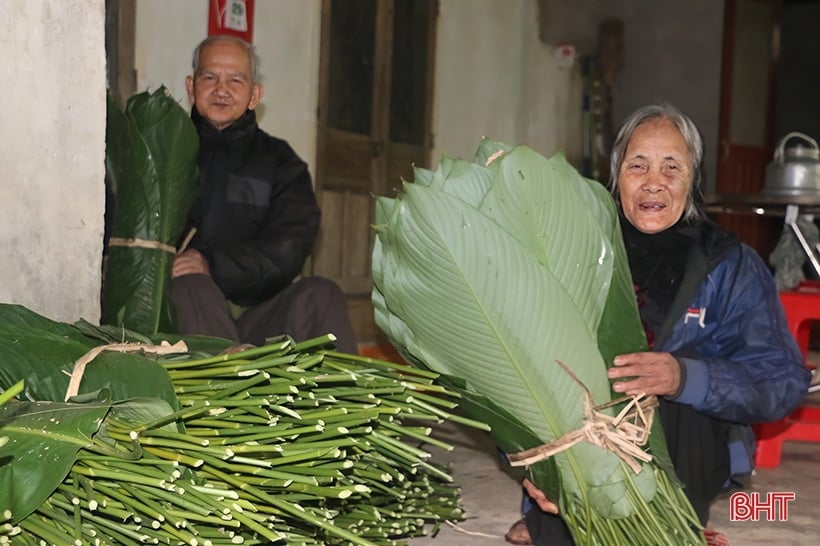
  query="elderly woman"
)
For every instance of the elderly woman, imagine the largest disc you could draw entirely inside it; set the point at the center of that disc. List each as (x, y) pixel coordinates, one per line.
(722, 356)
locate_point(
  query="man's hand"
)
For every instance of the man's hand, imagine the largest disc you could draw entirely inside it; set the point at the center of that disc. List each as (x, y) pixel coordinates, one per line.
(190, 262)
(648, 373)
(540, 498)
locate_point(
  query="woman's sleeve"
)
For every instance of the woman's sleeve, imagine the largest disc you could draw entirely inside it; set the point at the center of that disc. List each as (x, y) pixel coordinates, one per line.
(754, 370)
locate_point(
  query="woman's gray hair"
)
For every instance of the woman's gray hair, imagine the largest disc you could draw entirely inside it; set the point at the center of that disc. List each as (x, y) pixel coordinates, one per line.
(249, 48)
(690, 135)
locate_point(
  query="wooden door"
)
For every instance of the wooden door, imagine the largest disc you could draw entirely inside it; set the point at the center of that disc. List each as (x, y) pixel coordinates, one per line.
(375, 104)
(751, 51)
(120, 32)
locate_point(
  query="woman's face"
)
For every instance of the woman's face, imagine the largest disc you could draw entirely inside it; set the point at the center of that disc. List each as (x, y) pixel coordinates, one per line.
(655, 176)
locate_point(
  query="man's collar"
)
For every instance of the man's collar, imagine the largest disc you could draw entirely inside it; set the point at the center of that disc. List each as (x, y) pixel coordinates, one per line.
(206, 128)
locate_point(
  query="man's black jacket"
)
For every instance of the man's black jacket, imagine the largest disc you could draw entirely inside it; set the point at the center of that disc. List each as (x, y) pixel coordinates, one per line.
(255, 213)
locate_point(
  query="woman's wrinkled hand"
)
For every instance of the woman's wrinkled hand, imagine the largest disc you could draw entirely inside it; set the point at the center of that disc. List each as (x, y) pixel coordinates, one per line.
(543, 502)
(649, 373)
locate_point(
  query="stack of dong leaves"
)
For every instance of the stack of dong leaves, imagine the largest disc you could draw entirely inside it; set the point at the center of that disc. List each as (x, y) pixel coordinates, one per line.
(124, 435)
(287, 443)
(508, 276)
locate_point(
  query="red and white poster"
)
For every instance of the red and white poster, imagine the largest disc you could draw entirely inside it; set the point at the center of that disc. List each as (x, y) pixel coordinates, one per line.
(233, 17)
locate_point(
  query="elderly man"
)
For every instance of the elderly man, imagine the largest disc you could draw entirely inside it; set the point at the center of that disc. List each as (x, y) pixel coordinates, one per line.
(254, 220)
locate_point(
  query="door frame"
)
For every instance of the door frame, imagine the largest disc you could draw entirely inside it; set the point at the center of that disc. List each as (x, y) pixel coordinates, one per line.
(120, 45)
(739, 168)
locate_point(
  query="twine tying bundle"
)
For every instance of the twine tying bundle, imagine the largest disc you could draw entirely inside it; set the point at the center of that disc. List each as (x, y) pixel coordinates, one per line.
(141, 243)
(622, 434)
(79, 366)
(135, 242)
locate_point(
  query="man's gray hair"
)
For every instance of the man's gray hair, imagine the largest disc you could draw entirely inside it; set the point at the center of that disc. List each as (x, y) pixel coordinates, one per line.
(250, 49)
(690, 135)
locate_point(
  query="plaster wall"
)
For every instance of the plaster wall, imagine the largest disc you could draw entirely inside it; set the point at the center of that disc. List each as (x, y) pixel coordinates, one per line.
(495, 78)
(672, 53)
(52, 155)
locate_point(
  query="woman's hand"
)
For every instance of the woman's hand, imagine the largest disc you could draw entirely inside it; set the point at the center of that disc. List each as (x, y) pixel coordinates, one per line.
(648, 373)
(540, 498)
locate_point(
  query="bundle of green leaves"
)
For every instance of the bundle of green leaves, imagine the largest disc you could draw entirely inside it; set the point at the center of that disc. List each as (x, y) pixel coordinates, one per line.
(287, 443)
(151, 176)
(491, 272)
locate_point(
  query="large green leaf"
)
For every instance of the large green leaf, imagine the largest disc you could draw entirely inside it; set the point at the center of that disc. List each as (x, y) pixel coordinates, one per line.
(48, 435)
(42, 435)
(485, 316)
(43, 352)
(152, 169)
(524, 203)
(496, 290)
(128, 163)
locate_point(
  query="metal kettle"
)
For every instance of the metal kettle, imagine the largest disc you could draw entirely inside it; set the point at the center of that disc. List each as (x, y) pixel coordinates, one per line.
(795, 170)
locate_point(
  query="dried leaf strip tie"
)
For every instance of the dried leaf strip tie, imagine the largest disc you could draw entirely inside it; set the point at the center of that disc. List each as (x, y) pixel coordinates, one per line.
(141, 243)
(621, 434)
(77, 372)
(134, 242)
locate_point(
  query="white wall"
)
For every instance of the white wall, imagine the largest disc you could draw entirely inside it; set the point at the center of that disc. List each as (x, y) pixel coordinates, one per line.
(549, 111)
(495, 78)
(52, 154)
(672, 54)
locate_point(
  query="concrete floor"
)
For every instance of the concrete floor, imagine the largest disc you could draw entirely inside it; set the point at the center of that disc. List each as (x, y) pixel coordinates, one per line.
(491, 495)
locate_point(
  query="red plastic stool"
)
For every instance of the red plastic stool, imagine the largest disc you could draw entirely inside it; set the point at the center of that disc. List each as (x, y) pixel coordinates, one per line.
(802, 306)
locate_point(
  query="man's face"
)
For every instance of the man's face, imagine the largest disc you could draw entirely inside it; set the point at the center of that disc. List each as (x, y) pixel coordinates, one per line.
(222, 89)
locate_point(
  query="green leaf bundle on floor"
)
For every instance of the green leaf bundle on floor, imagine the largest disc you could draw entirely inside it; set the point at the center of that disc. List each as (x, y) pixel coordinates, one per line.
(288, 443)
(497, 273)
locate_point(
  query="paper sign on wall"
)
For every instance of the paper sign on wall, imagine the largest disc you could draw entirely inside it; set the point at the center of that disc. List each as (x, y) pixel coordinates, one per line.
(233, 17)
